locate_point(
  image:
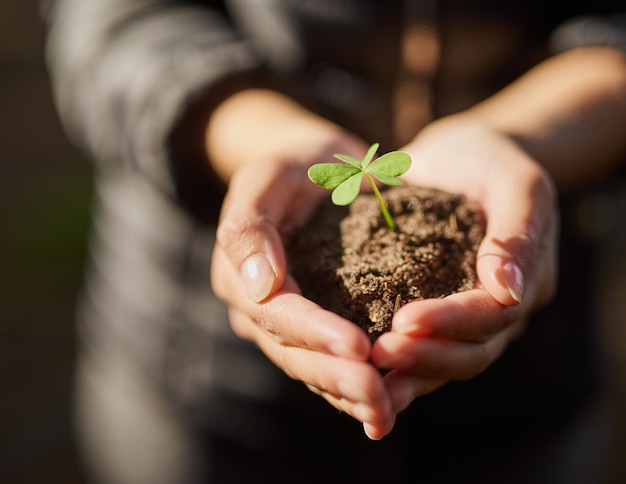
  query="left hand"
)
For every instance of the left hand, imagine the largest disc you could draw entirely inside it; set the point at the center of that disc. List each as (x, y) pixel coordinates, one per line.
(455, 338)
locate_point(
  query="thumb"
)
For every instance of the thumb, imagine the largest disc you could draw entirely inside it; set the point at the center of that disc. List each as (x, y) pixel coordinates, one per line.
(519, 242)
(501, 274)
(253, 246)
(261, 204)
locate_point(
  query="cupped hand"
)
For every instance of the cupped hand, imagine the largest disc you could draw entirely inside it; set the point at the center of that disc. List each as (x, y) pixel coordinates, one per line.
(457, 337)
(265, 201)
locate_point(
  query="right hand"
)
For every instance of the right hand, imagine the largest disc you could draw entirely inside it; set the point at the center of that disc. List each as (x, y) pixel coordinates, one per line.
(265, 201)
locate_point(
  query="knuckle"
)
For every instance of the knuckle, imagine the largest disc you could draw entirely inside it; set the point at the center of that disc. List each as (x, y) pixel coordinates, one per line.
(239, 234)
(232, 229)
(265, 318)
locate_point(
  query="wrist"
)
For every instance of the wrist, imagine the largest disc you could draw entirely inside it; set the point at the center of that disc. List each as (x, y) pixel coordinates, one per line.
(257, 124)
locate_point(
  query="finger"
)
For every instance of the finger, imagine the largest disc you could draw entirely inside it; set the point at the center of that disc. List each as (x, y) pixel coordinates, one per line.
(290, 319)
(375, 424)
(403, 388)
(261, 200)
(472, 316)
(435, 358)
(379, 431)
(350, 381)
(520, 219)
(516, 194)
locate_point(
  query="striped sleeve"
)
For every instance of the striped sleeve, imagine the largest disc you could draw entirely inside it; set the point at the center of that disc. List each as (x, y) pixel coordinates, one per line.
(608, 30)
(123, 72)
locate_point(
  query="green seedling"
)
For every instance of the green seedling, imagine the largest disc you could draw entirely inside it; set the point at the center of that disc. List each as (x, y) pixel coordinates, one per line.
(345, 179)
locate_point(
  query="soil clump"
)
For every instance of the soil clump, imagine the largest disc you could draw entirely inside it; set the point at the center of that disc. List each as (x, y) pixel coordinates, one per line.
(348, 261)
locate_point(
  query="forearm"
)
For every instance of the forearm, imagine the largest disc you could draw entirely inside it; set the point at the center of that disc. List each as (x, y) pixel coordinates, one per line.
(569, 113)
(257, 124)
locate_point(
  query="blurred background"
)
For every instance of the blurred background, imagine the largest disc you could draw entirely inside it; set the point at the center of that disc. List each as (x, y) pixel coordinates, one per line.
(44, 203)
(45, 192)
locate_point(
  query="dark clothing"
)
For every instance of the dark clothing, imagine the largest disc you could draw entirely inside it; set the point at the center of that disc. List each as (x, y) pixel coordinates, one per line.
(125, 72)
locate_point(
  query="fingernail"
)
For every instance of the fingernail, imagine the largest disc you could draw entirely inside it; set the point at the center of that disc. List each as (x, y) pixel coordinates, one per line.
(369, 431)
(513, 279)
(258, 277)
(375, 433)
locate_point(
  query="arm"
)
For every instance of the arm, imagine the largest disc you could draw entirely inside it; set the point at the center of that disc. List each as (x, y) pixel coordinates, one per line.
(559, 126)
(568, 113)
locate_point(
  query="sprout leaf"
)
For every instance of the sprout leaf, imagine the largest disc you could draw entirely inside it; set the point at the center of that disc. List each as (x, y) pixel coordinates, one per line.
(348, 159)
(345, 179)
(345, 193)
(331, 175)
(369, 155)
(394, 164)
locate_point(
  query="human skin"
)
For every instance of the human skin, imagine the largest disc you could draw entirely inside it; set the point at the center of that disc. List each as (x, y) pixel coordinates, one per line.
(553, 130)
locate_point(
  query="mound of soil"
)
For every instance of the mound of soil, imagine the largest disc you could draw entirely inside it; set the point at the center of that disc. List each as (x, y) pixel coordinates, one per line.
(349, 262)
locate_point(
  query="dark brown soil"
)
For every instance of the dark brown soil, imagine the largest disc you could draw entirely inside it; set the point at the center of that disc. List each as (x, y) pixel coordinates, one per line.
(348, 261)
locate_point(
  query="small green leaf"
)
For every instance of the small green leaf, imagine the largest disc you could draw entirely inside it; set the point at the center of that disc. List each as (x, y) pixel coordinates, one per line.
(369, 155)
(393, 164)
(345, 193)
(348, 159)
(345, 179)
(331, 175)
(386, 179)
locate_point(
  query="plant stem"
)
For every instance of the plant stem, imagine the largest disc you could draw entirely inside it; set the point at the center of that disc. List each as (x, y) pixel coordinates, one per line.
(388, 218)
